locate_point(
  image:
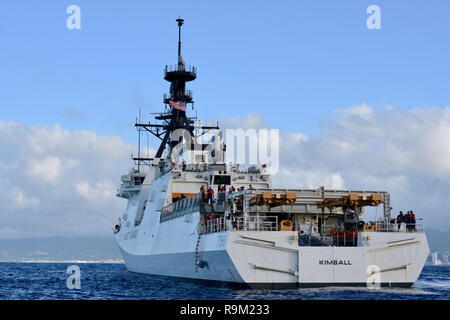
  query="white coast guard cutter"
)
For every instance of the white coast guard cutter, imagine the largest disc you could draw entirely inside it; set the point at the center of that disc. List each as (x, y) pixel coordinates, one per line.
(255, 235)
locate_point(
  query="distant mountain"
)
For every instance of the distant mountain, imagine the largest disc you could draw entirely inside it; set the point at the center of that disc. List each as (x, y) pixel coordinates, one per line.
(56, 249)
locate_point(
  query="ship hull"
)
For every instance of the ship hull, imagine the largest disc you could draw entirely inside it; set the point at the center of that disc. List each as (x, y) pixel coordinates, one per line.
(181, 265)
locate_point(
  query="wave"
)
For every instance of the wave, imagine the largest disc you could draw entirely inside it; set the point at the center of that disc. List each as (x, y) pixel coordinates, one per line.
(115, 261)
(444, 283)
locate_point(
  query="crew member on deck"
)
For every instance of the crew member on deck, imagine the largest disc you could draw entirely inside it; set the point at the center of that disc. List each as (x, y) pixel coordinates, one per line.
(413, 221)
(210, 195)
(408, 221)
(400, 219)
(203, 192)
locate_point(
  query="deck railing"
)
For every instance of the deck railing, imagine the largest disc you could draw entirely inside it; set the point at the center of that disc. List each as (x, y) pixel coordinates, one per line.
(252, 223)
(381, 226)
(179, 68)
(181, 207)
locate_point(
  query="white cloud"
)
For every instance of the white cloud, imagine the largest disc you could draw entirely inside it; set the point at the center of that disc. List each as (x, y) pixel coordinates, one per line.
(48, 169)
(362, 111)
(404, 152)
(100, 192)
(20, 200)
(252, 121)
(59, 183)
(307, 179)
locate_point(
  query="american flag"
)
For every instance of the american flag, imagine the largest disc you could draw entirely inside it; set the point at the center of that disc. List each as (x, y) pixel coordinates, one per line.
(180, 105)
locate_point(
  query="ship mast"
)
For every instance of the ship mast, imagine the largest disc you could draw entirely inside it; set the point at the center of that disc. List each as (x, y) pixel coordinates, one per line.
(180, 23)
(175, 102)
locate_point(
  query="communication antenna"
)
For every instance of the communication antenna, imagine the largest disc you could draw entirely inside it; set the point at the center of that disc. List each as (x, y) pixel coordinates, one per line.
(139, 139)
(180, 23)
(147, 146)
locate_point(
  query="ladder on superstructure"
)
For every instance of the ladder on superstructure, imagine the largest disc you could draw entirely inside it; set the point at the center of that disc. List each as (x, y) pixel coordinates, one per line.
(197, 246)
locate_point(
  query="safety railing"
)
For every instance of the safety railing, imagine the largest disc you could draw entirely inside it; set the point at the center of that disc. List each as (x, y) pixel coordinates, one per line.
(181, 207)
(345, 238)
(252, 223)
(327, 229)
(382, 226)
(179, 68)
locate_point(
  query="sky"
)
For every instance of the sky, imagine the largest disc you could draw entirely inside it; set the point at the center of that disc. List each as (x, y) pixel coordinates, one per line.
(356, 108)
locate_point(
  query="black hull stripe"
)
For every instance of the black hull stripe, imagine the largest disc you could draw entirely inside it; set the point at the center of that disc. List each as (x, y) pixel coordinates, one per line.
(280, 285)
(322, 284)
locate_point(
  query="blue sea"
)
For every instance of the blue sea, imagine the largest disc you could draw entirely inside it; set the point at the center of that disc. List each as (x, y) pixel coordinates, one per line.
(101, 281)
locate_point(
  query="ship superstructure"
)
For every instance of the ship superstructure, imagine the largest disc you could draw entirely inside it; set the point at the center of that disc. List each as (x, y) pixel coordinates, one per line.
(248, 232)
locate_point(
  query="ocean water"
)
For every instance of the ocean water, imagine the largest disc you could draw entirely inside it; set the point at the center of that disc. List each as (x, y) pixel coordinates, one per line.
(111, 281)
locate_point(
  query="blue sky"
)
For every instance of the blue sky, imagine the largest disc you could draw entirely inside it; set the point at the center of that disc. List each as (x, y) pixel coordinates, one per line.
(295, 62)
